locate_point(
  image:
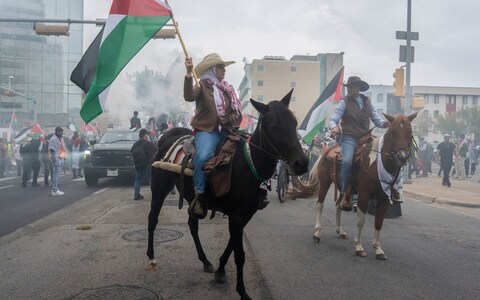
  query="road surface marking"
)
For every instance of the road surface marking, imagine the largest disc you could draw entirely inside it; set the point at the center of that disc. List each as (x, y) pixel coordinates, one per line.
(6, 187)
(100, 191)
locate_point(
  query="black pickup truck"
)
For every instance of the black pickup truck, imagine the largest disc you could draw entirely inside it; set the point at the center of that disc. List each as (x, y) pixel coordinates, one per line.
(110, 156)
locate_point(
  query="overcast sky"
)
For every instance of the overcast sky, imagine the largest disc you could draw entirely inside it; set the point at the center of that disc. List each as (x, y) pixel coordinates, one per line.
(445, 55)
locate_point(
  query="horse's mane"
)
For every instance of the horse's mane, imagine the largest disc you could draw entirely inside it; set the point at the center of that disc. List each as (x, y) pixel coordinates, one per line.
(280, 110)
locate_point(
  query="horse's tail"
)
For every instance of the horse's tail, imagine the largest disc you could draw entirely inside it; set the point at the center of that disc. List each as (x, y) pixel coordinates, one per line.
(309, 189)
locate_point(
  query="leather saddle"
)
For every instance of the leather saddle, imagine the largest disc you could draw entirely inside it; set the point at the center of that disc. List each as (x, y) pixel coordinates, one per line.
(335, 152)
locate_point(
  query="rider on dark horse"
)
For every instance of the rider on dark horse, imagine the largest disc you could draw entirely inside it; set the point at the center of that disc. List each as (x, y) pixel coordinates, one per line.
(217, 107)
(354, 114)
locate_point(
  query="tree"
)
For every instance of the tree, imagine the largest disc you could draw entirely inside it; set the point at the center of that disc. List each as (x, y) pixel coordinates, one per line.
(471, 118)
(422, 125)
(449, 123)
(151, 92)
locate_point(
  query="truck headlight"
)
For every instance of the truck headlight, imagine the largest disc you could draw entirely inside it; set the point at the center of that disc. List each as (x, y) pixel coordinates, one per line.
(86, 154)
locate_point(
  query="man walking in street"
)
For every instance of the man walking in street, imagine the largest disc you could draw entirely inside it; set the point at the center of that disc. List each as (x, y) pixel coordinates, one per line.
(55, 147)
(30, 161)
(445, 152)
(142, 153)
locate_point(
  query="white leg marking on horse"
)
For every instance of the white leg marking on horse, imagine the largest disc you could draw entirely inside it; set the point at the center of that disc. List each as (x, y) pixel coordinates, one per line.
(338, 222)
(318, 223)
(360, 224)
(376, 245)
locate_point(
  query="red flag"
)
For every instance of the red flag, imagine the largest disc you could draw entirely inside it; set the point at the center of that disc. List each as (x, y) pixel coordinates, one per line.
(152, 129)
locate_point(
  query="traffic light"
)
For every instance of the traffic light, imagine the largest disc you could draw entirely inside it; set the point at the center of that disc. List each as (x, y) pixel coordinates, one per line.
(165, 33)
(398, 84)
(42, 29)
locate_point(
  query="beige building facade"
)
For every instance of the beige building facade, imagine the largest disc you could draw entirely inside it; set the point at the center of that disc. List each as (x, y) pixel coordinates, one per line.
(272, 77)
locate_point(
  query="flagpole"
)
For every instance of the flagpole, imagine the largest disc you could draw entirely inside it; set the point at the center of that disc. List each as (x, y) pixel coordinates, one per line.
(182, 43)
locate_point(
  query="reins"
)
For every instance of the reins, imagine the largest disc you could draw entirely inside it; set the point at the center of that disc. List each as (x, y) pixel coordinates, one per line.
(248, 143)
(234, 132)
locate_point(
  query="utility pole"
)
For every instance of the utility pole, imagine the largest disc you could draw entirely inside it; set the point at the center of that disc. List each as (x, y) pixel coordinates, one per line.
(408, 94)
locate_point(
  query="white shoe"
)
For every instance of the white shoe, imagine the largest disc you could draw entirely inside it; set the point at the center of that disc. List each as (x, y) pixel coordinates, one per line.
(58, 193)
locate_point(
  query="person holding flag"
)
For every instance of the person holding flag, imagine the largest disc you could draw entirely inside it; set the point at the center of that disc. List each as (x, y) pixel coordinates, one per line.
(217, 107)
(353, 113)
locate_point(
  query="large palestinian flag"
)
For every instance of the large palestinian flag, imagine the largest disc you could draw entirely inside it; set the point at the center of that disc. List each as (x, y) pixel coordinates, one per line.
(319, 115)
(130, 25)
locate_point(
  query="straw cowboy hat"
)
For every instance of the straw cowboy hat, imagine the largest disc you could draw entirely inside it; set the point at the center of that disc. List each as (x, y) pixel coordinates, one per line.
(209, 61)
(355, 80)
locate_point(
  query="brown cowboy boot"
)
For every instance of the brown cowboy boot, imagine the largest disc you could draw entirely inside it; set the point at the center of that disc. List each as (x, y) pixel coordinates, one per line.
(198, 207)
(345, 202)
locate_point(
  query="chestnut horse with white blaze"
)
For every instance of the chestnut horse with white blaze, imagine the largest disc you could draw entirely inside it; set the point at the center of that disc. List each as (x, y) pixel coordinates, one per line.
(386, 156)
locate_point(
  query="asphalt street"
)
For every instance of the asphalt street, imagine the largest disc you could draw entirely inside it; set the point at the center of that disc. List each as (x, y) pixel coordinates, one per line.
(95, 248)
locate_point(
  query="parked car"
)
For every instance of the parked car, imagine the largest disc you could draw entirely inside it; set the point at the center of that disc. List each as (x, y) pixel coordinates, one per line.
(110, 156)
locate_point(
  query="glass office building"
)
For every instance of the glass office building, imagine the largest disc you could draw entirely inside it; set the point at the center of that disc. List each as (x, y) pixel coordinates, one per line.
(39, 67)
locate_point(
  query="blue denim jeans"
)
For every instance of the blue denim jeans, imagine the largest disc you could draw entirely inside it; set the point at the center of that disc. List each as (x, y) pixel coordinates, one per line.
(205, 145)
(349, 144)
(56, 169)
(140, 176)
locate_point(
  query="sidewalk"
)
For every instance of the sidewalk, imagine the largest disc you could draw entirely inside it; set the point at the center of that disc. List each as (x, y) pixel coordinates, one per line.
(429, 189)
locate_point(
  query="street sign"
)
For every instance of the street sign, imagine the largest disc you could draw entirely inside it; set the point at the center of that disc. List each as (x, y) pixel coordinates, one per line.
(402, 35)
(403, 54)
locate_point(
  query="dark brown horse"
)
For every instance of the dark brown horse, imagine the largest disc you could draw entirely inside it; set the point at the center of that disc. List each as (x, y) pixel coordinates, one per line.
(275, 137)
(394, 152)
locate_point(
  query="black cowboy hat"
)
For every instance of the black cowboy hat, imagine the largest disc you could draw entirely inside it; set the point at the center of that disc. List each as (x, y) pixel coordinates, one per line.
(355, 80)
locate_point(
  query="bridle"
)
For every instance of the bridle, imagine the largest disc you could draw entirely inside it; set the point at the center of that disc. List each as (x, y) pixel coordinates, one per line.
(276, 155)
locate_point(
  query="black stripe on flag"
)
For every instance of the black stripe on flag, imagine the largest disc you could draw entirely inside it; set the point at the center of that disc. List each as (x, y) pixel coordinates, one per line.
(86, 69)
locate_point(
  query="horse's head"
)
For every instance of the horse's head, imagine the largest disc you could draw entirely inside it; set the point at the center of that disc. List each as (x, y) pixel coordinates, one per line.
(399, 137)
(278, 133)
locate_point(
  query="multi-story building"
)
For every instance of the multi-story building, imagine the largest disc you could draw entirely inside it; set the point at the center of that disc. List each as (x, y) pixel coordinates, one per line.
(438, 100)
(271, 77)
(39, 66)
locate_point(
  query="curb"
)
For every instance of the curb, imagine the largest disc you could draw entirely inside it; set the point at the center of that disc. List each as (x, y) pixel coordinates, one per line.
(438, 200)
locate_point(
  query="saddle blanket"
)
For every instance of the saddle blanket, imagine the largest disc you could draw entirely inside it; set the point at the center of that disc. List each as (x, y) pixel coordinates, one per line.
(174, 157)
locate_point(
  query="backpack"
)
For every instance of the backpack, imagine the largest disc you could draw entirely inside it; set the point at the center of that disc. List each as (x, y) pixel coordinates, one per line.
(138, 154)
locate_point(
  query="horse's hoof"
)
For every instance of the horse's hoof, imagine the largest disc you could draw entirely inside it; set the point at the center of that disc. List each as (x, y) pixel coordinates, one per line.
(152, 265)
(208, 269)
(316, 239)
(220, 277)
(343, 236)
(381, 256)
(361, 253)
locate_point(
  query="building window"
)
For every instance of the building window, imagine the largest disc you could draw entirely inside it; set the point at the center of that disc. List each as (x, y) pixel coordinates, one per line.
(436, 99)
(465, 100)
(451, 99)
(293, 98)
(260, 68)
(260, 98)
(425, 113)
(293, 84)
(293, 69)
(475, 100)
(426, 98)
(380, 98)
(435, 113)
(260, 83)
